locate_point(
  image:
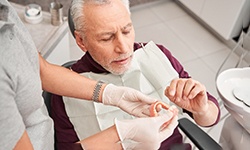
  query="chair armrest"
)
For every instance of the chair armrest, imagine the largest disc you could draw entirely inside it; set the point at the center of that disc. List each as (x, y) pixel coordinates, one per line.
(200, 138)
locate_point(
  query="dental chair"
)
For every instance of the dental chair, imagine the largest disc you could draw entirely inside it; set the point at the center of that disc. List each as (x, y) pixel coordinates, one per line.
(197, 136)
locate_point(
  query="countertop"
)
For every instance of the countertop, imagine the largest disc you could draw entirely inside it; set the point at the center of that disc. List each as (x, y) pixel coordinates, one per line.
(45, 35)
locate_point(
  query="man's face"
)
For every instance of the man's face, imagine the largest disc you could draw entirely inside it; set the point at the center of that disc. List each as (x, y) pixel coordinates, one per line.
(109, 36)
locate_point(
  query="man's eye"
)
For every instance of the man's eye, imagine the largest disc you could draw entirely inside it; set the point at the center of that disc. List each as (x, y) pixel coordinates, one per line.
(126, 32)
(107, 39)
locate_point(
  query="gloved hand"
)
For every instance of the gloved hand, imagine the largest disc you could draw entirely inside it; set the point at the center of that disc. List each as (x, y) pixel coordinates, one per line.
(145, 133)
(128, 99)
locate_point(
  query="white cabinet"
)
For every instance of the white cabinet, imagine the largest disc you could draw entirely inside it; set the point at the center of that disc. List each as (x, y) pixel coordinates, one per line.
(61, 53)
(225, 17)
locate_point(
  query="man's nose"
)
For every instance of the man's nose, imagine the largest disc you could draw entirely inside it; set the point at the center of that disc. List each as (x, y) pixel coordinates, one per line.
(121, 46)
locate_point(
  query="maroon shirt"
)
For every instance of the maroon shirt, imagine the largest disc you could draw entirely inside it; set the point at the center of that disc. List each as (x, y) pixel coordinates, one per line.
(65, 133)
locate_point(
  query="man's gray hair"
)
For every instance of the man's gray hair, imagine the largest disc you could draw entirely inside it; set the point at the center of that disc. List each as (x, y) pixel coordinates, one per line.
(77, 7)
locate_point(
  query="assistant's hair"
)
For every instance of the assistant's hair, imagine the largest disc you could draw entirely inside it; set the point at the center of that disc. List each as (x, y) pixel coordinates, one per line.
(77, 7)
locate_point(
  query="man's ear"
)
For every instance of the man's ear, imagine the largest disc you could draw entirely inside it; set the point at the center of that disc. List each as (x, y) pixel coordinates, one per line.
(79, 41)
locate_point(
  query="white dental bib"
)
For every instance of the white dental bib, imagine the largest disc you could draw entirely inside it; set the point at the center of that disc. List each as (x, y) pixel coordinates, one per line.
(150, 72)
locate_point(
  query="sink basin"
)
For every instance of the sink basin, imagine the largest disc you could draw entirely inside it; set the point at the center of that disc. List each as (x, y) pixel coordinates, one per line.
(233, 86)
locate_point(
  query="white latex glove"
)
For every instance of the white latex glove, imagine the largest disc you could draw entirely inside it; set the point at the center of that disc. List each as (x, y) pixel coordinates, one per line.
(127, 99)
(145, 133)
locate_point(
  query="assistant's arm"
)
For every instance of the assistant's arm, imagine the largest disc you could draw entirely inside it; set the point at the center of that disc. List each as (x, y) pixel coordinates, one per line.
(24, 143)
(62, 81)
(107, 139)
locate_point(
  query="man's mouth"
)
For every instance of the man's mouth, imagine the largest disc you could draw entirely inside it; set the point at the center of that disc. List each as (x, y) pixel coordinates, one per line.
(122, 61)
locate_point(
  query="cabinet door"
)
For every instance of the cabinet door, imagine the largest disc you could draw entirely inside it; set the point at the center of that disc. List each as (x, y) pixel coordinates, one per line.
(226, 17)
(194, 5)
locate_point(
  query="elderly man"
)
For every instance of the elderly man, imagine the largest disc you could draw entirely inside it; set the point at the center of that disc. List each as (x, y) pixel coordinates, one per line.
(24, 120)
(104, 30)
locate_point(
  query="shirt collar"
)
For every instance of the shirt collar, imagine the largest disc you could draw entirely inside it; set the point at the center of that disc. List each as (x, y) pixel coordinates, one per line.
(4, 10)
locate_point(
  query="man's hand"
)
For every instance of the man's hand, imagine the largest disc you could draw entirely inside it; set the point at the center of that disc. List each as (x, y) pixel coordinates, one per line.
(188, 94)
(128, 99)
